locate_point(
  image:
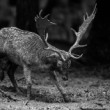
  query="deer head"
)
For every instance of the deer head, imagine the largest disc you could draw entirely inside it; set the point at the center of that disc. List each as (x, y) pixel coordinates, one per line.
(65, 56)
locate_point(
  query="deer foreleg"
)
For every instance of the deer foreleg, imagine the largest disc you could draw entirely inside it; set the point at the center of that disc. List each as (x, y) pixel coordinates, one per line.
(55, 81)
(11, 70)
(27, 74)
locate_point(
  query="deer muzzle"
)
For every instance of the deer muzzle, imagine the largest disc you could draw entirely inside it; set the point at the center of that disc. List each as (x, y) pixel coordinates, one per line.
(65, 75)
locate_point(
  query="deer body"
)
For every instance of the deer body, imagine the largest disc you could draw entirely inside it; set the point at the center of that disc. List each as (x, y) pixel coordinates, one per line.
(25, 49)
(23, 46)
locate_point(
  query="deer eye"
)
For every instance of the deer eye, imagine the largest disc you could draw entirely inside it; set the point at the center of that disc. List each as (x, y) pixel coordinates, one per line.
(59, 63)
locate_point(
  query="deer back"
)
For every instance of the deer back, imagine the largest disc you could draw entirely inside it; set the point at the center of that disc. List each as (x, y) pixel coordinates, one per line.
(22, 44)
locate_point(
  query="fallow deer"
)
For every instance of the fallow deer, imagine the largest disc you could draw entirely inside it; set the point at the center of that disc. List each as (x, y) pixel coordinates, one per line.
(28, 49)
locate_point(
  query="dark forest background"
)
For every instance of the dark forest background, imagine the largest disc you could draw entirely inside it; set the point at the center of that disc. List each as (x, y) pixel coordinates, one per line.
(67, 14)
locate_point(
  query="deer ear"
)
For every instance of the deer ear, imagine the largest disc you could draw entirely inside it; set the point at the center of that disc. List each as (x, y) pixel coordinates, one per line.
(54, 55)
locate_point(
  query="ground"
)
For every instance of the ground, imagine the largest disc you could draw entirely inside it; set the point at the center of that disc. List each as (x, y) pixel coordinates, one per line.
(86, 89)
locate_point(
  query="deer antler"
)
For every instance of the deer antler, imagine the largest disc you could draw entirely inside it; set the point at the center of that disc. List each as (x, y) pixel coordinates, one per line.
(61, 52)
(45, 19)
(81, 32)
(82, 29)
(41, 24)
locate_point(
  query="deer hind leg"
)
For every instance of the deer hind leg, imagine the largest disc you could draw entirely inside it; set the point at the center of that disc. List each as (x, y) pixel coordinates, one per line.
(55, 81)
(27, 74)
(11, 70)
(3, 66)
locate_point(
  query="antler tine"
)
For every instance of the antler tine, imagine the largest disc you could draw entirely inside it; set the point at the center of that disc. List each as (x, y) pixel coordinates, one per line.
(40, 12)
(45, 17)
(87, 20)
(81, 32)
(49, 45)
(46, 38)
(75, 56)
(36, 17)
(39, 15)
(77, 42)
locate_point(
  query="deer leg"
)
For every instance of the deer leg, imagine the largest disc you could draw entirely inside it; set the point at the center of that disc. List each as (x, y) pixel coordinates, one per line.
(27, 74)
(3, 67)
(54, 77)
(10, 72)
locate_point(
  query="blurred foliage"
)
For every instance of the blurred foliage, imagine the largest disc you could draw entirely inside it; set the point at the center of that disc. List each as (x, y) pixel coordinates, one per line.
(7, 13)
